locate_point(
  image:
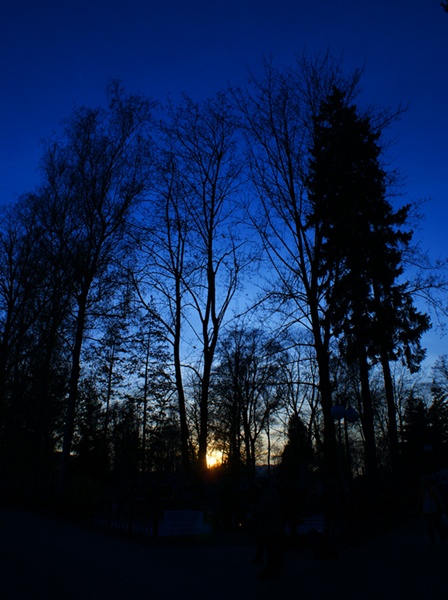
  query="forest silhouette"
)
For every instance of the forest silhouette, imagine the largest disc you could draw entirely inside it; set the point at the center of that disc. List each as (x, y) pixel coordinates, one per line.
(232, 276)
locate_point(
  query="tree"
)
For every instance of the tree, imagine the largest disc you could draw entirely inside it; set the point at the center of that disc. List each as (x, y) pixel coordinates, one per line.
(194, 256)
(33, 309)
(20, 278)
(248, 391)
(438, 410)
(439, 385)
(92, 180)
(160, 280)
(15, 297)
(362, 252)
(88, 447)
(150, 371)
(277, 111)
(297, 456)
(125, 442)
(416, 448)
(106, 364)
(302, 385)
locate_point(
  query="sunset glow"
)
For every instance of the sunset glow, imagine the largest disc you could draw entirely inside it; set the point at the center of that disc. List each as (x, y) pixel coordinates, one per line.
(214, 459)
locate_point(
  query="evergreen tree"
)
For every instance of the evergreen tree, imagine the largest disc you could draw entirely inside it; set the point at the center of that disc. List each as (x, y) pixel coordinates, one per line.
(298, 453)
(416, 447)
(438, 411)
(277, 111)
(364, 240)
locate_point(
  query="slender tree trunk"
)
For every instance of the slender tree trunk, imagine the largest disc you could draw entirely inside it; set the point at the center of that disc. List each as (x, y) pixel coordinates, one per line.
(5, 349)
(248, 448)
(203, 419)
(268, 437)
(367, 416)
(3, 378)
(331, 467)
(209, 344)
(72, 395)
(109, 395)
(204, 401)
(235, 431)
(45, 442)
(145, 411)
(392, 416)
(184, 432)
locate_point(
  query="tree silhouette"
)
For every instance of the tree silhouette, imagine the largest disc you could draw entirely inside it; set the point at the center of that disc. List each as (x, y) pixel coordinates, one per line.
(85, 376)
(277, 111)
(248, 390)
(194, 256)
(92, 179)
(362, 251)
(33, 309)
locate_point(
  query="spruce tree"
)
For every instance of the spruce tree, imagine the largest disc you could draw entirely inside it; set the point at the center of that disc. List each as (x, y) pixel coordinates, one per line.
(372, 313)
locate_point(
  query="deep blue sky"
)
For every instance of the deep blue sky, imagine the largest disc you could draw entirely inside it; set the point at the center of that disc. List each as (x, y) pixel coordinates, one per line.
(56, 54)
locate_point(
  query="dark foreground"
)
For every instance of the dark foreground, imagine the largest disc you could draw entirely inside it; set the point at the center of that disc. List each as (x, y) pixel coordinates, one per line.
(49, 558)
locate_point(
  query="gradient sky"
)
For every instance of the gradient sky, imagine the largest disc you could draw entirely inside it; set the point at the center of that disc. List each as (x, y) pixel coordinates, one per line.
(57, 54)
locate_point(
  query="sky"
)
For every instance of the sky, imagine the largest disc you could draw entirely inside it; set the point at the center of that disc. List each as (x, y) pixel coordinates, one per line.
(59, 54)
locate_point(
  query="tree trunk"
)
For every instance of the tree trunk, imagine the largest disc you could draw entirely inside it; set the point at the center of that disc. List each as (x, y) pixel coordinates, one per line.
(72, 395)
(184, 432)
(203, 419)
(367, 416)
(145, 411)
(392, 416)
(331, 467)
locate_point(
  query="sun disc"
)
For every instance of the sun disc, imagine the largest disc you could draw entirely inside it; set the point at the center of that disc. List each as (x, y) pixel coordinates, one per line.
(214, 459)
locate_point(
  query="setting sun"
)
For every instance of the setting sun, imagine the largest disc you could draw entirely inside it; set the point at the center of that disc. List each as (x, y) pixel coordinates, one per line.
(214, 459)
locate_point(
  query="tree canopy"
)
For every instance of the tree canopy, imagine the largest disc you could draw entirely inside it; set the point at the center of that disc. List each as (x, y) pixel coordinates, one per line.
(213, 276)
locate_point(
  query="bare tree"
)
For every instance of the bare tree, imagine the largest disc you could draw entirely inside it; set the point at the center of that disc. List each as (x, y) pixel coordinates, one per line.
(249, 391)
(92, 179)
(439, 385)
(193, 254)
(302, 385)
(278, 110)
(18, 287)
(30, 314)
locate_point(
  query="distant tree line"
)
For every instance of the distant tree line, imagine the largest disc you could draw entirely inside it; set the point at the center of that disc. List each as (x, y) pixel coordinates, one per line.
(227, 276)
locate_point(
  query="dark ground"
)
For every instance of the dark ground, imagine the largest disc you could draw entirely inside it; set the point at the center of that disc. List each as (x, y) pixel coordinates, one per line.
(50, 558)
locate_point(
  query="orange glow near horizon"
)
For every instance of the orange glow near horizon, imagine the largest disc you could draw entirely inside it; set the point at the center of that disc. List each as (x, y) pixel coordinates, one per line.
(214, 459)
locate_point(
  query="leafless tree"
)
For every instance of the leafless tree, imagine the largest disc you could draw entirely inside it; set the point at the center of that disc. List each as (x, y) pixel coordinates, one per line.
(278, 108)
(92, 179)
(248, 393)
(194, 256)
